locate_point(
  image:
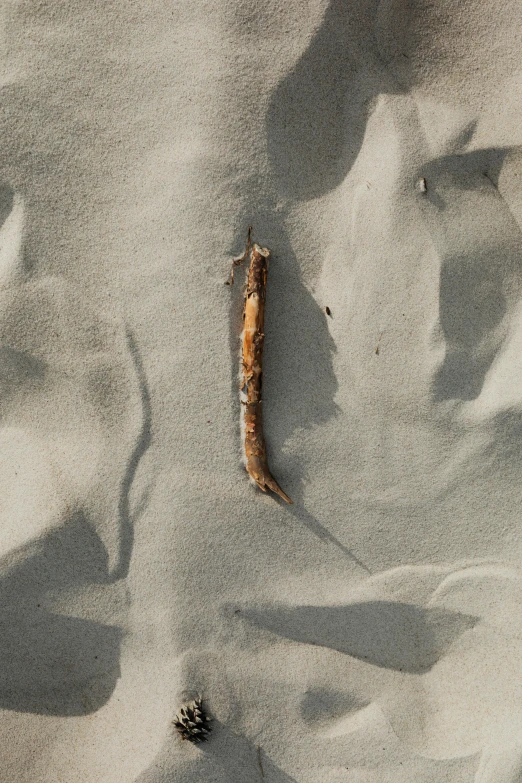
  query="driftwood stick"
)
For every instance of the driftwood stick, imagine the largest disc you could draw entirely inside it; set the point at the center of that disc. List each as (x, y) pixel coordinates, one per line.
(252, 370)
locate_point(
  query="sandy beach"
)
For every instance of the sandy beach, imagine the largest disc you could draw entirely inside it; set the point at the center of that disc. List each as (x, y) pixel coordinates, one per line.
(371, 631)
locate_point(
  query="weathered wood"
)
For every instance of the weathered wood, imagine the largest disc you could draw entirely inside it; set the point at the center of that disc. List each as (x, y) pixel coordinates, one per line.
(252, 372)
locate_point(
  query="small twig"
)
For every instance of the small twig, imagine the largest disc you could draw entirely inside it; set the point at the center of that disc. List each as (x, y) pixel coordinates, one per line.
(378, 346)
(239, 259)
(259, 761)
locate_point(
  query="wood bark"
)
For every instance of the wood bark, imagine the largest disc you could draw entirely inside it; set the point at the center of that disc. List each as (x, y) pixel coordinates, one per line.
(252, 372)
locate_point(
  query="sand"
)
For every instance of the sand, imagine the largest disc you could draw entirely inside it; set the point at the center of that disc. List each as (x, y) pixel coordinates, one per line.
(371, 632)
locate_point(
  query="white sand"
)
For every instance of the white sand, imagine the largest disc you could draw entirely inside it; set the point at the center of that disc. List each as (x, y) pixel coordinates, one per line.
(372, 632)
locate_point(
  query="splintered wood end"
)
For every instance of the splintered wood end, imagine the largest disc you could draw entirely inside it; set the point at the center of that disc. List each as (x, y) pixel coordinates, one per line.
(257, 469)
(274, 486)
(263, 251)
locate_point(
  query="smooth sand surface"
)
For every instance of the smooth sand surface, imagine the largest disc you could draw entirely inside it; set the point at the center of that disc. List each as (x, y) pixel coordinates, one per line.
(371, 632)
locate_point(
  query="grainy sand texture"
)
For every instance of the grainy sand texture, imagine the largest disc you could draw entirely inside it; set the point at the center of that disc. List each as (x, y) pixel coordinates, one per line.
(372, 631)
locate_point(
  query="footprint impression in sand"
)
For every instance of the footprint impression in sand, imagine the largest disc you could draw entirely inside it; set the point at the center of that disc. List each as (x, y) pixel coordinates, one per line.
(451, 640)
(480, 296)
(72, 431)
(470, 700)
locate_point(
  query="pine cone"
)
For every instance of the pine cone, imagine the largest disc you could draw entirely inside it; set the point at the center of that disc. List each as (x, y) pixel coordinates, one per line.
(192, 723)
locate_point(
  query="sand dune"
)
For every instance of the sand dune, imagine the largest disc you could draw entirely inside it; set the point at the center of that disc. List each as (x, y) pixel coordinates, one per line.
(370, 632)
